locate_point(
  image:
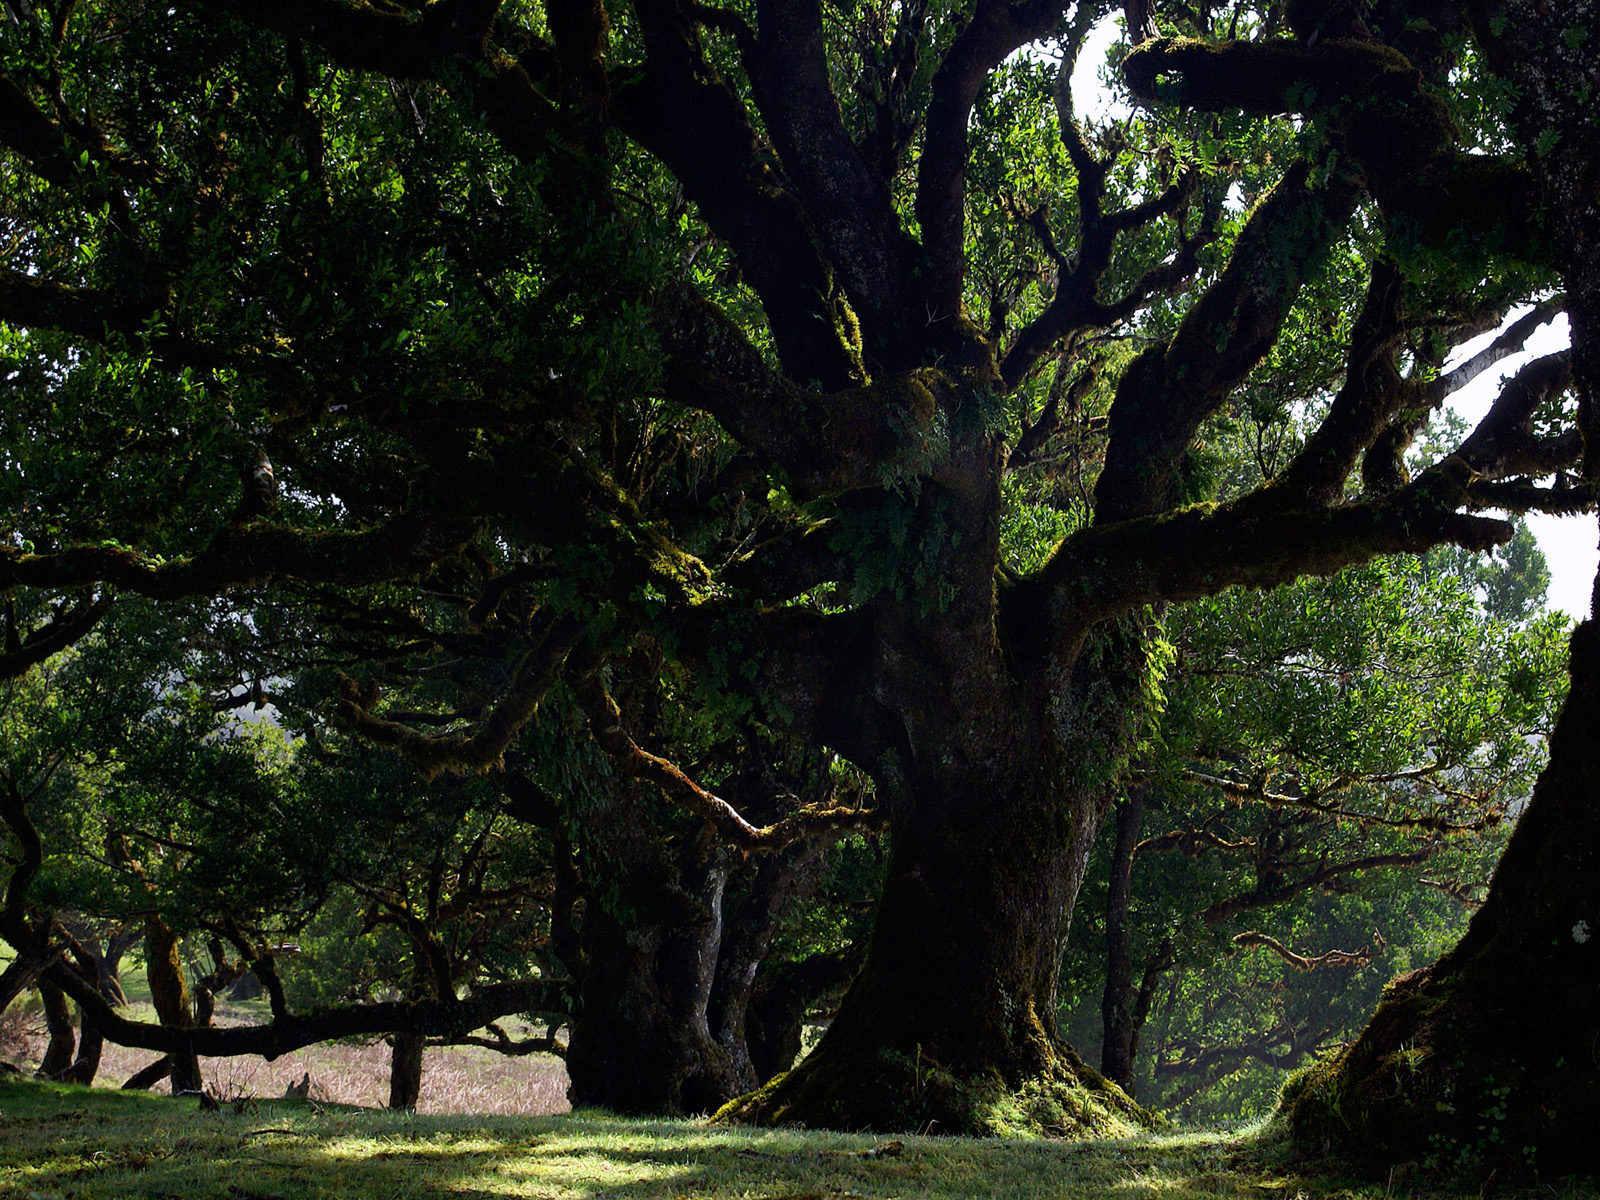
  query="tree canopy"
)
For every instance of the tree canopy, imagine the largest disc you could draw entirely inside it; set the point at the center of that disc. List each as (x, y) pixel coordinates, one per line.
(460, 357)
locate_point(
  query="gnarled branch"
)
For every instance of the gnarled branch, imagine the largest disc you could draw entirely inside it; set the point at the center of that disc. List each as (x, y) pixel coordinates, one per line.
(606, 723)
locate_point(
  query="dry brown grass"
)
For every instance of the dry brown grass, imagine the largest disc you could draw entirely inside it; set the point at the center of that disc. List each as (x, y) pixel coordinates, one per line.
(456, 1079)
(22, 1031)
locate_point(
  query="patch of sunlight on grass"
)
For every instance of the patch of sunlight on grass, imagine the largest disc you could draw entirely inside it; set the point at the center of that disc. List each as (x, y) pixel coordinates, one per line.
(57, 1142)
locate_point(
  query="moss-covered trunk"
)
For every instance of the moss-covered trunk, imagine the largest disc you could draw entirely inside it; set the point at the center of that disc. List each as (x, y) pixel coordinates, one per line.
(1487, 1058)
(950, 1024)
(996, 724)
(169, 993)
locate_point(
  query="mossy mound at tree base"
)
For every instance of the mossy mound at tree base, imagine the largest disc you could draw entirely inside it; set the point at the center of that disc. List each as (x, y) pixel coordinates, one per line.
(892, 1092)
(1441, 1080)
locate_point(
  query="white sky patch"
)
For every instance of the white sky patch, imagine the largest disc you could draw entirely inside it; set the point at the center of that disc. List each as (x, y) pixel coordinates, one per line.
(1571, 545)
(1093, 100)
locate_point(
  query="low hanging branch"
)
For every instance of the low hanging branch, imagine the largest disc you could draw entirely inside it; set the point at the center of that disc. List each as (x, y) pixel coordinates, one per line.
(238, 557)
(1264, 896)
(450, 1018)
(65, 627)
(1209, 1062)
(1468, 895)
(503, 1043)
(605, 721)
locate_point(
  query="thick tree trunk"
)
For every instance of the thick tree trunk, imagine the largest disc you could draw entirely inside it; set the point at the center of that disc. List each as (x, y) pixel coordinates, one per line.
(950, 1026)
(405, 1071)
(641, 1032)
(674, 929)
(1010, 755)
(1487, 1058)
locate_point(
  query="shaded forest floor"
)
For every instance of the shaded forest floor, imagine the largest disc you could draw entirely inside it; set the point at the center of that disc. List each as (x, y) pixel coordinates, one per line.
(61, 1142)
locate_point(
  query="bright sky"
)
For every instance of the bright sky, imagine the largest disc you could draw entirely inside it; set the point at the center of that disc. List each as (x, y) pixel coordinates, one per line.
(1571, 545)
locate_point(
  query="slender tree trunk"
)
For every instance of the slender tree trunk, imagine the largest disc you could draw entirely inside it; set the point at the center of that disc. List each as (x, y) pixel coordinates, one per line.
(1124, 1008)
(118, 944)
(405, 1071)
(90, 1044)
(170, 995)
(1117, 1001)
(57, 1058)
(753, 904)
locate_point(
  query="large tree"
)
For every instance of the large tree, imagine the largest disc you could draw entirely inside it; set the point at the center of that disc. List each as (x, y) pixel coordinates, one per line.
(411, 287)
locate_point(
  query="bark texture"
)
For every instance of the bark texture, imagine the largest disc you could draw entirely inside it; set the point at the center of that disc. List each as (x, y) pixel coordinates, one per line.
(950, 1025)
(641, 1035)
(405, 1072)
(994, 717)
(674, 929)
(58, 1050)
(1124, 1008)
(169, 993)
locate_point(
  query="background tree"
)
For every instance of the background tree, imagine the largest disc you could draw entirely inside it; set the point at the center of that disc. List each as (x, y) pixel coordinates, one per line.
(1318, 745)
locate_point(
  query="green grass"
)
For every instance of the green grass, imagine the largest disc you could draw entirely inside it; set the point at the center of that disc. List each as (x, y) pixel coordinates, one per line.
(62, 1142)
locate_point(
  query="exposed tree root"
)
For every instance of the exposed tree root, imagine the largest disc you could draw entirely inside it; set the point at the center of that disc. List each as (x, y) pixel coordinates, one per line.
(891, 1092)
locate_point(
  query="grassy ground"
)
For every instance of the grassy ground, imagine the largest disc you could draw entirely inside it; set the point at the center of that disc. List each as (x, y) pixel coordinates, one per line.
(58, 1143)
